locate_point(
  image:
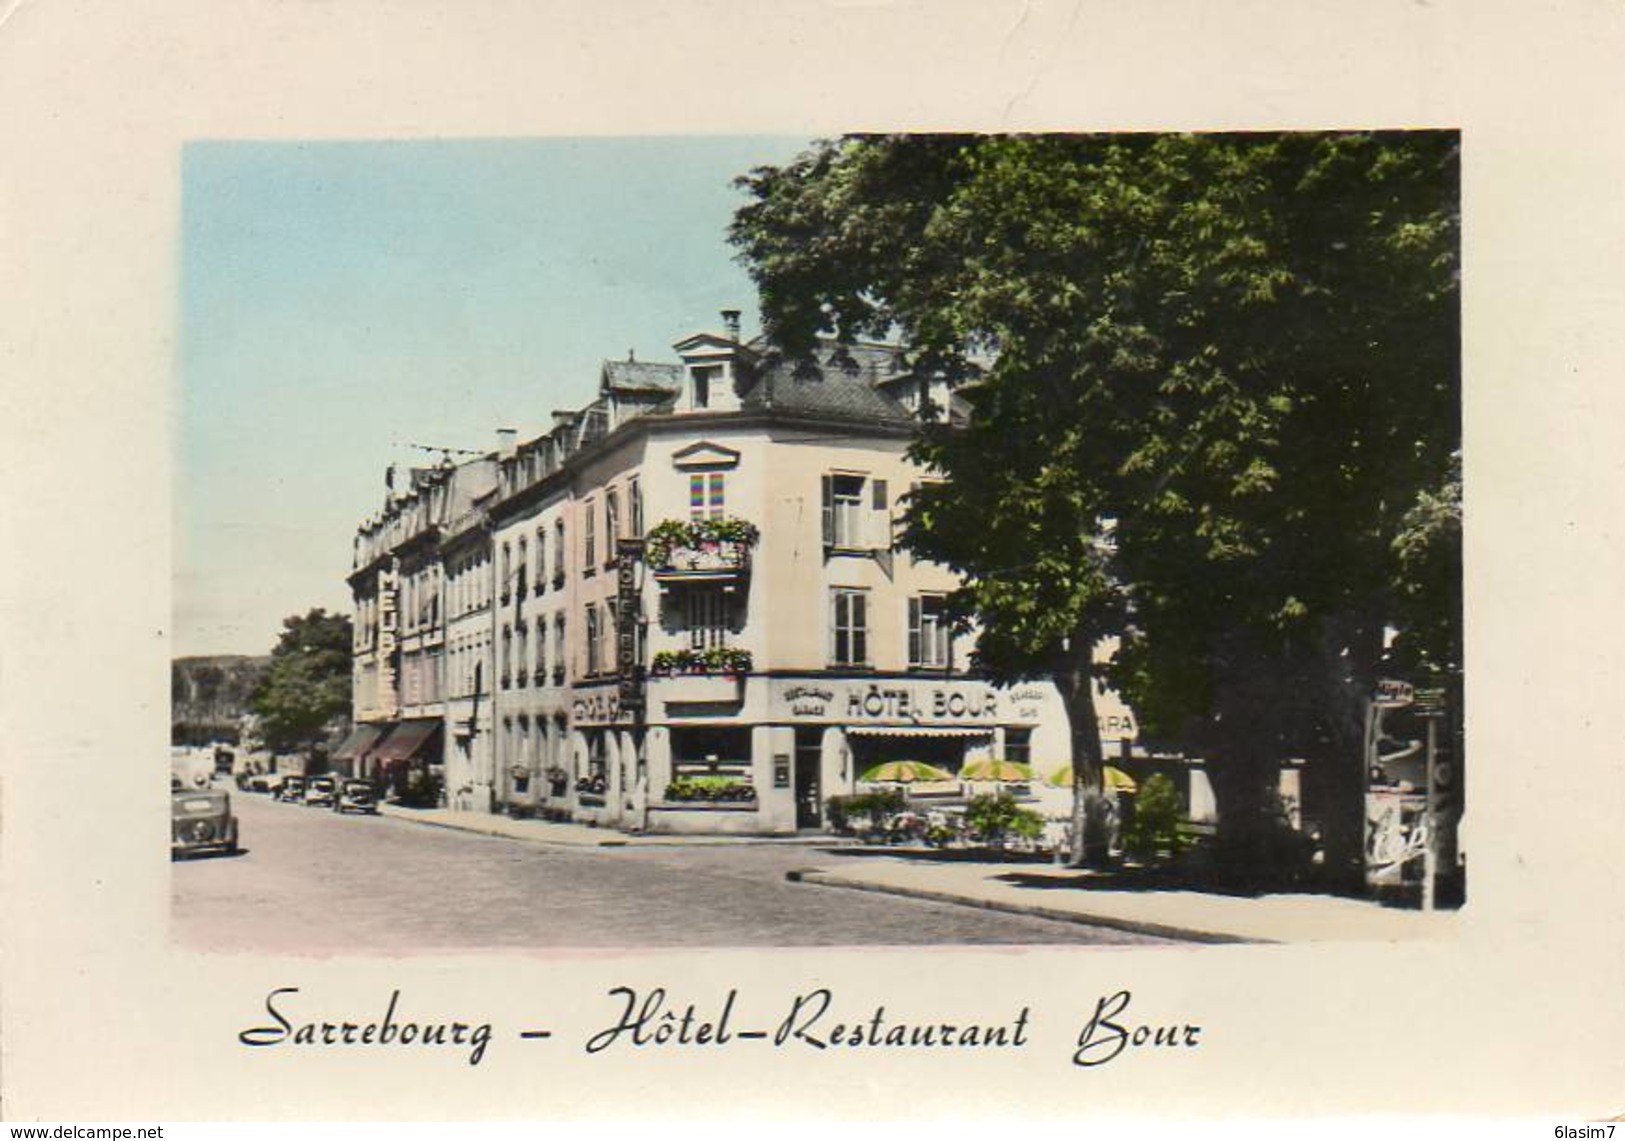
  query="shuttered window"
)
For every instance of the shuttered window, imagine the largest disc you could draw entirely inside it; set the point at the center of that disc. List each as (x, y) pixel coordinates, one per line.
(589, 540)
(592, 639)
(928, 638)
(849, 627)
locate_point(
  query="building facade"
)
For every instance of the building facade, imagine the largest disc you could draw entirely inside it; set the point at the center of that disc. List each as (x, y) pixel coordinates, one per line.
(683, 609)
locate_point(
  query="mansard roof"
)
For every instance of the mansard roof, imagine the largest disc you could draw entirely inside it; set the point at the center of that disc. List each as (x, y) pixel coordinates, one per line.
(642, 376)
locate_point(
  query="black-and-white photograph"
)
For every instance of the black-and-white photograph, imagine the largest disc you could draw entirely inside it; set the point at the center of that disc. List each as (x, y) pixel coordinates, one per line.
(991, 539)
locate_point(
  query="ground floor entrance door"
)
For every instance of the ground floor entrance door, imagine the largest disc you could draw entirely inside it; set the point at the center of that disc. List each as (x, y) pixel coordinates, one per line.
(809, 793)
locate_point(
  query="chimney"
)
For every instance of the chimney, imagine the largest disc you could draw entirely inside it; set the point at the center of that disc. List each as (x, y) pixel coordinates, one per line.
(507, 442)
(730, 324)
(562, 418)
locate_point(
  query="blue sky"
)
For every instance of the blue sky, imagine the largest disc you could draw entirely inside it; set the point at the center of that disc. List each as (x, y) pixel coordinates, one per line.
(343, 300)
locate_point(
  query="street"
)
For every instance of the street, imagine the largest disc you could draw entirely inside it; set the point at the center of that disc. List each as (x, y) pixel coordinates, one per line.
(310, 881)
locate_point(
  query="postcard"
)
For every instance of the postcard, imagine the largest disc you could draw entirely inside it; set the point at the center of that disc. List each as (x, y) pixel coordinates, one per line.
(823, 562)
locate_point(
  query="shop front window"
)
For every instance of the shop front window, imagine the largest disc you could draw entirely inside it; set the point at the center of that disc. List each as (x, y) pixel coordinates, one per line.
(719, 752)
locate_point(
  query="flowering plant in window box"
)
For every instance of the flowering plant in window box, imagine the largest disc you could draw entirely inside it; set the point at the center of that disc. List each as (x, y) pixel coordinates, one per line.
(716, 660)
(710, 790)
(700, 544)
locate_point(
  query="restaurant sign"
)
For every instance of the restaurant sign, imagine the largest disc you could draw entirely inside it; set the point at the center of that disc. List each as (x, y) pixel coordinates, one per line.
(598, 706)
(891, 702)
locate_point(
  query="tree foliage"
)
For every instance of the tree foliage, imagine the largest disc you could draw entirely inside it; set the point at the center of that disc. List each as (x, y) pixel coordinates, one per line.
(1211, 378)
(306, 690)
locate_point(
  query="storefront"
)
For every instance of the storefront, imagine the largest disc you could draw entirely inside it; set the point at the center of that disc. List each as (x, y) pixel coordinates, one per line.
(767, 754)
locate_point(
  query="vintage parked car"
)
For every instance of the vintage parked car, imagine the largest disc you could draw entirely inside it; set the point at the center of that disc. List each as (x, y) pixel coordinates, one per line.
(292, 790)
(355, 796)
(201, 820)
(320, 792)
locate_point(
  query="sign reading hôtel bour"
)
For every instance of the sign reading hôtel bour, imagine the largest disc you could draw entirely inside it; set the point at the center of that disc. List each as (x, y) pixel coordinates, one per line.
(902, 701)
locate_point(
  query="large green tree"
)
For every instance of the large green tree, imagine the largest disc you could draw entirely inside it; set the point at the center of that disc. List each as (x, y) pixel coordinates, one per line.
(1209, 378)
(306, 690)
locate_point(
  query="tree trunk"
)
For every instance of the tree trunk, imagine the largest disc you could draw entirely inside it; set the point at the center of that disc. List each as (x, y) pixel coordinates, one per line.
(1091, 824)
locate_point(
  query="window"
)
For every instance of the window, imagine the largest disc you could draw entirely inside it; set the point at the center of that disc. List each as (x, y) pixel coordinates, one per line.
(506, 670)
(711, 752)
(558, 650)
(522, 571)
(592, 639)
(1018, 746)
(849, 625)
(703, 379)
(521, 654)
(541, 651)
(540, 575)
(634, 498)
(507, 568)
(706, 614)
(843, 510)
(558, 553)
(928, 637)
(589, 538)
(706, 494)
(612, 523)
(521, 756)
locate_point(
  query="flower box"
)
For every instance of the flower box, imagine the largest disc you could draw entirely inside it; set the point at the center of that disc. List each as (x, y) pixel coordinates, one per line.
(700, 548)
(700, 687)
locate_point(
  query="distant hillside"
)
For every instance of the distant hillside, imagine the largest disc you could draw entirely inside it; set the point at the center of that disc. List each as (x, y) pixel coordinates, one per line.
(209, 694)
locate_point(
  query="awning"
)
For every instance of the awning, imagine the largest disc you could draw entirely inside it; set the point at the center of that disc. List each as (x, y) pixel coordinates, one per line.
(361, 739)
(407, 739)
(916, 731)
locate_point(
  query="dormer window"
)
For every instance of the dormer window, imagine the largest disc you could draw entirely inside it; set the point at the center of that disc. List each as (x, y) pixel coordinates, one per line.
(705, 378)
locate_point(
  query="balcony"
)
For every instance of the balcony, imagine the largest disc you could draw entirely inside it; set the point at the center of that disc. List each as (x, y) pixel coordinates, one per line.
(700, 550)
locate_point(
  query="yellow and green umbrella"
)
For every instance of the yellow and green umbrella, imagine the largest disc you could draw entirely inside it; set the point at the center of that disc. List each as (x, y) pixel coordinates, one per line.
(904, 772)
(990, 768)
(1113, 779)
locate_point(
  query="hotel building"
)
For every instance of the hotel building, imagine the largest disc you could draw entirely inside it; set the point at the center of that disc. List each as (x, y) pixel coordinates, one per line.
(683, 608)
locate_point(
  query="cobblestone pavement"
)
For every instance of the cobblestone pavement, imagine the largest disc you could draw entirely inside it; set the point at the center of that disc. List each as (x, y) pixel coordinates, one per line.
(313, 882)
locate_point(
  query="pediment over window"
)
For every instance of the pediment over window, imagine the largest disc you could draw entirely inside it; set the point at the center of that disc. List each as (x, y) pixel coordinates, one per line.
(705, 455)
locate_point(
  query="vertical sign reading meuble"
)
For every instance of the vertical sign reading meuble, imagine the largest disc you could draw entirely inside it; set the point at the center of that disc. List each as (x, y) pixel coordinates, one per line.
(627, 554)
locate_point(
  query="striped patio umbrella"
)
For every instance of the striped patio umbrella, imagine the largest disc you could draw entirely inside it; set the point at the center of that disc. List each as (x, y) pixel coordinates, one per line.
(1114, 779)
(988, 768)
(904, 772)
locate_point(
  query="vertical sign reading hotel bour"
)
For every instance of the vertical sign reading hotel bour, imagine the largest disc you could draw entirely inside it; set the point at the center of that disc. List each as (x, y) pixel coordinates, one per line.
(627, 554)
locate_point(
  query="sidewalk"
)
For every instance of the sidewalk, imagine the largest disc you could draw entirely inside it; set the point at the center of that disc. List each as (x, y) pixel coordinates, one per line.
(581, 835)
(1060, 893)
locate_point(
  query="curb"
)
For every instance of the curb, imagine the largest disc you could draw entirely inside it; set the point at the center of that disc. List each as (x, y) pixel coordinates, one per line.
(1134, 926)
(612, 840)
(410, 816)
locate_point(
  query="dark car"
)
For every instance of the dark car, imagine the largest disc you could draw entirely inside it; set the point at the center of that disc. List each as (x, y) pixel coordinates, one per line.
(292, 790)
(201, 821)
(321, 792)
(356, 796)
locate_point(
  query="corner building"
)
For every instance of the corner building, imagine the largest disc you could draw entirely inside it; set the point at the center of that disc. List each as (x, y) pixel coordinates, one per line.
(693, 615)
